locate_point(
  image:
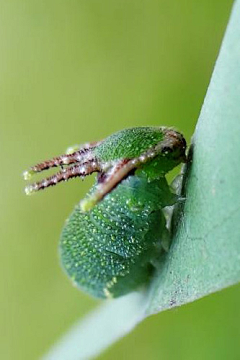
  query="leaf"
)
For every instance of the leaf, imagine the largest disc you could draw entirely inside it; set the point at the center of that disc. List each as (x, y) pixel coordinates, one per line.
(205, 253)
(100, 329)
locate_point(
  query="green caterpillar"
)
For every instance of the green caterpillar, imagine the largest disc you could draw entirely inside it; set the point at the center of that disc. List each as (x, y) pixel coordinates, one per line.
(110, 242)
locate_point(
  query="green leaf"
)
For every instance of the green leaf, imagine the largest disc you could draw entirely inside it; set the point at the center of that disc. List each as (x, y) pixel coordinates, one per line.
(205, 253)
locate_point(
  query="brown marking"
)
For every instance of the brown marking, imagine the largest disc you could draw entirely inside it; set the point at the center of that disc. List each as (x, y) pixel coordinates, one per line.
(66, 159)
(64, 175)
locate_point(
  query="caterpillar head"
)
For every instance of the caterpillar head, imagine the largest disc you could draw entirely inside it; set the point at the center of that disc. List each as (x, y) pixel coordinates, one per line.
(152, 150)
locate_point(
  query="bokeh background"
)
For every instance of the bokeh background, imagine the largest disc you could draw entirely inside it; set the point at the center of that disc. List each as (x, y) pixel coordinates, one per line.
(73, 71)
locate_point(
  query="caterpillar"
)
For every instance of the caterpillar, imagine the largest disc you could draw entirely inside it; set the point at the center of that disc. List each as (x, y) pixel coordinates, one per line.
(114, 236)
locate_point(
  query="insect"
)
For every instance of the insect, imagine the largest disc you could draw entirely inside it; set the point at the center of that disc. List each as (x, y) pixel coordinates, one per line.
(111, 240)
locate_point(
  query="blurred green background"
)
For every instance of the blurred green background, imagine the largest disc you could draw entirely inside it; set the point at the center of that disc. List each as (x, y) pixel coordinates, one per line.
(74, 71)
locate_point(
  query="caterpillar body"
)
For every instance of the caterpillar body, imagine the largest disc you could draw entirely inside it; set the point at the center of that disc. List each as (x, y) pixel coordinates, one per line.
(115, 235)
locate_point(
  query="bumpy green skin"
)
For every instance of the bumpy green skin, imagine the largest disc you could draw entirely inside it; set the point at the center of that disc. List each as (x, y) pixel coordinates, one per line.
(129, 143)
(110, 250)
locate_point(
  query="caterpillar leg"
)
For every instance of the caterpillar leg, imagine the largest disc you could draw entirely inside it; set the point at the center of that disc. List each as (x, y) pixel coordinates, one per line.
(162, 246)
